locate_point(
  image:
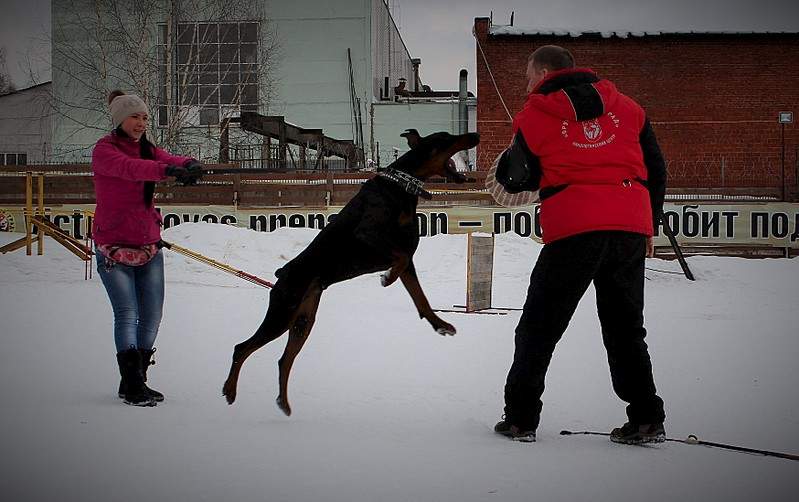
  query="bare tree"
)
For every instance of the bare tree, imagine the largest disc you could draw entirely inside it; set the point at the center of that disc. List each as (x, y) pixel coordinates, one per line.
(6, 85)
(194, 61)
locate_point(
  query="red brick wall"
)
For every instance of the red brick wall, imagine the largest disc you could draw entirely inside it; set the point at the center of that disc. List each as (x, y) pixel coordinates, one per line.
(713, 99)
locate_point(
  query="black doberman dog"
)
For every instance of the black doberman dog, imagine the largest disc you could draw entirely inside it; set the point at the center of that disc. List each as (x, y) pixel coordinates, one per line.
(375, 231)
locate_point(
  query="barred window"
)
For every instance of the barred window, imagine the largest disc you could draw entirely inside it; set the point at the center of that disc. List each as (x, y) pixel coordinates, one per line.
(13, 159)
(215, 70)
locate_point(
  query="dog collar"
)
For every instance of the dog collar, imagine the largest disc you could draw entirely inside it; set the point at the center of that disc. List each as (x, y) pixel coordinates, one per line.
(408, 183)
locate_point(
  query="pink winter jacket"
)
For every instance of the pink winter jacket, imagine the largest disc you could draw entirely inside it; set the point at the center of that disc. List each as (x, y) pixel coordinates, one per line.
(122, 217)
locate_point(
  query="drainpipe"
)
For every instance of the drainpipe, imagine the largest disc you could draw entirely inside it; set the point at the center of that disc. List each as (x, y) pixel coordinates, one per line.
(416, 62)
(463, 112)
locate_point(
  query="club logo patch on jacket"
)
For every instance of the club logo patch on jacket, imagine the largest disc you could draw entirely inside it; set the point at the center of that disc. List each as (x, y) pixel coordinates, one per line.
(590, 133)
(592, 130)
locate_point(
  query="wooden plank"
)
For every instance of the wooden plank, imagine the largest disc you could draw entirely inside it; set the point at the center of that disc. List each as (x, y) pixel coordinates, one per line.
(19, 243)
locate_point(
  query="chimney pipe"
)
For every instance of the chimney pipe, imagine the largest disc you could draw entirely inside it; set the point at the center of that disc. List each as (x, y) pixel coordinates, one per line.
(463, 112)
(416, 62)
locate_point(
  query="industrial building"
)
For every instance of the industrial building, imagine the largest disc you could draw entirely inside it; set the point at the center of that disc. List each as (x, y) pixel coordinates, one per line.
(340, 67)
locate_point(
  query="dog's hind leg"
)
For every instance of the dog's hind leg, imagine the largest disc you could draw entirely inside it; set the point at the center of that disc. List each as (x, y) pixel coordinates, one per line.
(298, 334)
(277, 321)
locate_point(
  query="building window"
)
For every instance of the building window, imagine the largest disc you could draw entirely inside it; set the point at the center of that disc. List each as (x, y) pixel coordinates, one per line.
(13, 159)
(215, 71)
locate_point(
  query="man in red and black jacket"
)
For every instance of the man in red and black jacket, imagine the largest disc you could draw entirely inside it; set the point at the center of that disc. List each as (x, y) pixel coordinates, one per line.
(602, 185)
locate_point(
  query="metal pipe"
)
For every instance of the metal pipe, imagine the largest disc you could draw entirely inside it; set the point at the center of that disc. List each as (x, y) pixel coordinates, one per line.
(783, 161)
(416, 62)
(463, 112)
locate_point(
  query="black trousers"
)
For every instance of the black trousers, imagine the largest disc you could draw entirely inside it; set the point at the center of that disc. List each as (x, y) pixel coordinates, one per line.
(614, 261)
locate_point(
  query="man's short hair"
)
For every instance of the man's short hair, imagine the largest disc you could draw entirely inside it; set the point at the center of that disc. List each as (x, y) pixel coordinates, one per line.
(551, 57)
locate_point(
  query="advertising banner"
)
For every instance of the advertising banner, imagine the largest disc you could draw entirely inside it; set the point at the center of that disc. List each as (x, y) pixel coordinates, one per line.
(753, 224)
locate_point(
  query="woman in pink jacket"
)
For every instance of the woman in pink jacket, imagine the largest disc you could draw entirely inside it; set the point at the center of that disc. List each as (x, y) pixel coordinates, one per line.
(126, 231)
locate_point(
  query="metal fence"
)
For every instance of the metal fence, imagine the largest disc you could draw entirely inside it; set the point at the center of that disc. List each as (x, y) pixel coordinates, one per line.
(268, 157)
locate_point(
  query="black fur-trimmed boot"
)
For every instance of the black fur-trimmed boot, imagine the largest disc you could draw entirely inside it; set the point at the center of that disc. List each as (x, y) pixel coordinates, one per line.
(147, 361)
(130, 367)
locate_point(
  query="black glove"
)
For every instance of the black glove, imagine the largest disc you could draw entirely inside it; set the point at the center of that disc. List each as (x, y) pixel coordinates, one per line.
(194, 170)
(194, 166)
(187, 174)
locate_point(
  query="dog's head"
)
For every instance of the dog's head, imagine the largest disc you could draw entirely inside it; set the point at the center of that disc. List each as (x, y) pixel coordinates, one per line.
(431, 155)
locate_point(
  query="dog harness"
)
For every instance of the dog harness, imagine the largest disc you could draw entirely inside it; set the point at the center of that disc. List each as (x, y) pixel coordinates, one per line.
(413, 186)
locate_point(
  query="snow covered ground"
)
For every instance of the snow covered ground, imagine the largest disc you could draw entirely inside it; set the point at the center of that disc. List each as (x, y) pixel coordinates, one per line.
(384, 408)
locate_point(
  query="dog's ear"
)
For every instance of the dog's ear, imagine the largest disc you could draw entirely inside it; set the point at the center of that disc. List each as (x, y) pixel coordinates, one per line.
(412, 135)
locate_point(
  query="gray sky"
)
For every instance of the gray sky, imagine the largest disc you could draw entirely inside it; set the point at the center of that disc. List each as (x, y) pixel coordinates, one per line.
(440, 31)
(24, 26)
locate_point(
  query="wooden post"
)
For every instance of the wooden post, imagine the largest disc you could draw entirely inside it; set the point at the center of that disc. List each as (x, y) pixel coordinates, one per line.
(40, 234)
(44, 226)
(330, 187)
(87, 274)
(236, 191)
(479, 271)
(29, 213)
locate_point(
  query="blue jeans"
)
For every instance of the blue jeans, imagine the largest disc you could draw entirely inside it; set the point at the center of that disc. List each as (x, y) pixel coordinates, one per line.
(137, 298)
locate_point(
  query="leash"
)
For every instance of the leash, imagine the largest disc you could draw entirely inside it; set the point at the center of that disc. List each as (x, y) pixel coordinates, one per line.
(693, 439)
(221, 266)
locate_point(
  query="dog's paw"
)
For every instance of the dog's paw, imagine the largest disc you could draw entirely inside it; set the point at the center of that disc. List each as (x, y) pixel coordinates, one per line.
(229, 393)
(283, 405)
(448, 330)
(230, 398)
(385, 279)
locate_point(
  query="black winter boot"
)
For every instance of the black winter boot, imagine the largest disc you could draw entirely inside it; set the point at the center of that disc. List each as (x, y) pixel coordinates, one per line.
(631, 433)
(505, 428)
(130, 367)
(147, 361)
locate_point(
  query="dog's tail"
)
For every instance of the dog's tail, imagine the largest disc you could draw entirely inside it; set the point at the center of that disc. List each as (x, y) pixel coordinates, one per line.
(291, 286)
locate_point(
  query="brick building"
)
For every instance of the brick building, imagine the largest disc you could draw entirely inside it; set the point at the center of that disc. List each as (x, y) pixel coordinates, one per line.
(714, 99)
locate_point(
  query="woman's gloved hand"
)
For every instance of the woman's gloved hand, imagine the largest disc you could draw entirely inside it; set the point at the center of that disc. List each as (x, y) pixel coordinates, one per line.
(187, 174)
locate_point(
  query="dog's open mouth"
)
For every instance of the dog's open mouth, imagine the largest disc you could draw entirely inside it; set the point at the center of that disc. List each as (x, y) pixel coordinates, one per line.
(467, 141)
(452, 175)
